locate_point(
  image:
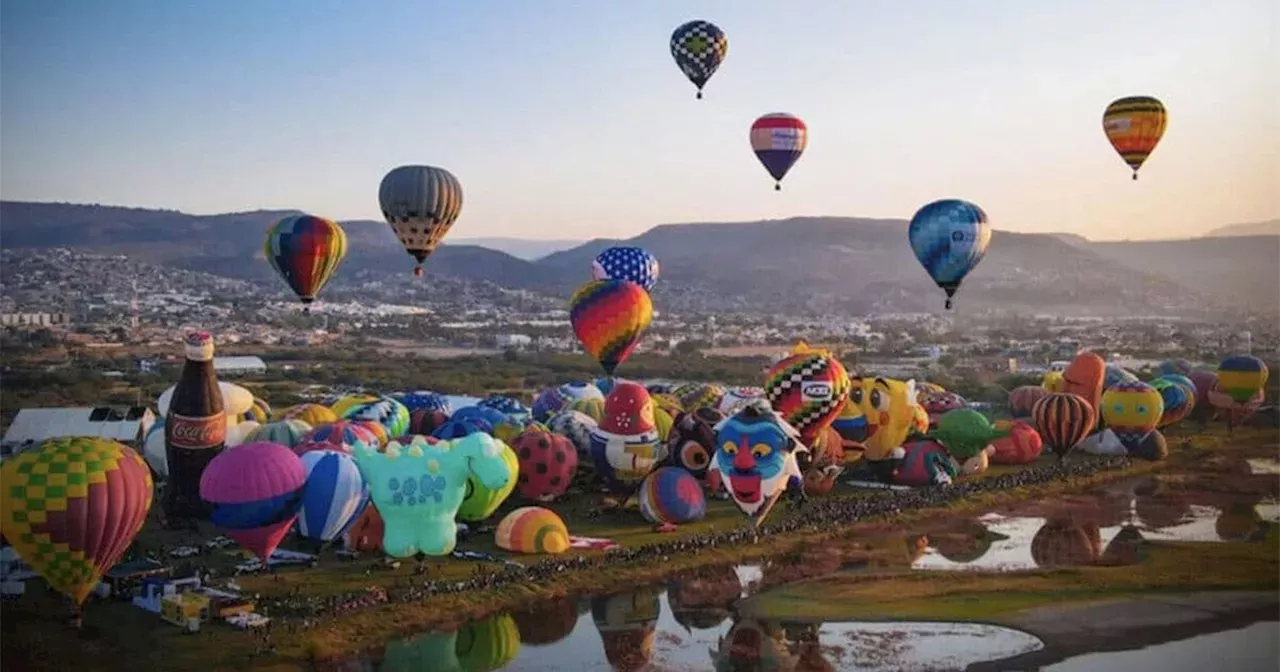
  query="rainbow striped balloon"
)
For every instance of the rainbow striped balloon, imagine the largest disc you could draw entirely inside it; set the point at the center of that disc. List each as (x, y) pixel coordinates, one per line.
(306, 250)
(532, 529)
(672, 495)
(609, 317)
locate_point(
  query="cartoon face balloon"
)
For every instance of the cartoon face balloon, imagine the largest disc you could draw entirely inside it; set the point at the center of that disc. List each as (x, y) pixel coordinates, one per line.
(693, 440)
(625, 446)
(1132, 410)
(889, 407)
(755, 458)
(419, 487)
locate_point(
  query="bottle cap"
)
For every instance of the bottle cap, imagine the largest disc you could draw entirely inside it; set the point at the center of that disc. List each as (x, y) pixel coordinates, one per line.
(199, 346)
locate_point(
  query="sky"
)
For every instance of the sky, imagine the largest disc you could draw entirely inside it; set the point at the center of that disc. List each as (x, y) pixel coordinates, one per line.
(570, 119)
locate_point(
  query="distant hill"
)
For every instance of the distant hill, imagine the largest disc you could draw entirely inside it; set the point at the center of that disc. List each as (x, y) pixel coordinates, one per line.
(827, 265)
(1271, 228)
(529, 250)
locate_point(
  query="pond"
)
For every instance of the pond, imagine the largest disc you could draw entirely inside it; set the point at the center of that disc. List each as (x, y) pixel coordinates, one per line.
(690, 626)
(698, 621)
(1255, 648)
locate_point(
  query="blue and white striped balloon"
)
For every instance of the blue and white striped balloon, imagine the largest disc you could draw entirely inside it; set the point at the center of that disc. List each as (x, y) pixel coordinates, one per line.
(627, 263)
(333, 497)
(949, 238)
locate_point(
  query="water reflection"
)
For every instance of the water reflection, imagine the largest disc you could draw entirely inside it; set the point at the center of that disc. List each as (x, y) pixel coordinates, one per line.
(690, 626)
(1106, 527)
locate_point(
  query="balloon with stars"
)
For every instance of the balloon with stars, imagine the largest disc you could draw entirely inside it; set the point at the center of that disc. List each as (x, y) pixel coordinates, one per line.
(627, 263)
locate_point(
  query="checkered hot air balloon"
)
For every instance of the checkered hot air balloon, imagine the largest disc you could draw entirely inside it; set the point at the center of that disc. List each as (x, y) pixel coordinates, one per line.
(624, 262)
(72, 507)
(609, 317)
(808, 389)
(949, 238)
(699, 47)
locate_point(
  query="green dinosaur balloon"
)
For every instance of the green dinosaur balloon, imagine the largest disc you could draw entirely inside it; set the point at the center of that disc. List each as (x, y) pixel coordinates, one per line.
(965, 432)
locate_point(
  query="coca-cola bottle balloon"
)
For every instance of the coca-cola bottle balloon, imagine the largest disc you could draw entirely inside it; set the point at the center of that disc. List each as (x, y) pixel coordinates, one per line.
(195, 431)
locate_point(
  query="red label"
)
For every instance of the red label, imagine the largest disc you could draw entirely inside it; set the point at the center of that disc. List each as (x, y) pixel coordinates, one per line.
(196, 433)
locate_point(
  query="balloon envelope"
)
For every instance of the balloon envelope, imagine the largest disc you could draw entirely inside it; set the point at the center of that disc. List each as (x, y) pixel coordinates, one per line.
(949, 238)
(256, 490)
(333, 496)
(72, 507)
(1134, 126)
(699, 47)
(625, 262)
(306, 250)
(778, 139)
(421, 203)
(609, 317)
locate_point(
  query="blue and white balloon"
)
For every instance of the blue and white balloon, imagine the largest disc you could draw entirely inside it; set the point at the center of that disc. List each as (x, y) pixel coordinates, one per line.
(949, 238)
(625, 262)
(334, 495)
(425, 400)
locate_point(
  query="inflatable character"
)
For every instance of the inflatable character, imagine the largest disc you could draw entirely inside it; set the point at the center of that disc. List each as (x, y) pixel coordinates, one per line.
(925, 462)
(755, 459)
(693, 440)
(968, 434)
(625, 446)
(889, 407)
(1084, 377)
(419, 487)
(1132, 410)
(825, 463)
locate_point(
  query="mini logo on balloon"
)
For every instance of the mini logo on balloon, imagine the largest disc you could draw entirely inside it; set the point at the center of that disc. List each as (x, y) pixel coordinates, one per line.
(815, 391)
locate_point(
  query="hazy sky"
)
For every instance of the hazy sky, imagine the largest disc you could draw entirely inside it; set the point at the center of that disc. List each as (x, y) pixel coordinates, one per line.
(570, 119)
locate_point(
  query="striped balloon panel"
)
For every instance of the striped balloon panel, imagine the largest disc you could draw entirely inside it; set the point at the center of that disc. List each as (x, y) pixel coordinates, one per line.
(1063, 420)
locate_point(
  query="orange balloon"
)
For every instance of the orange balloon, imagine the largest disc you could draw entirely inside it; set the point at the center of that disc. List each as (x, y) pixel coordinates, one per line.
(1084, 378)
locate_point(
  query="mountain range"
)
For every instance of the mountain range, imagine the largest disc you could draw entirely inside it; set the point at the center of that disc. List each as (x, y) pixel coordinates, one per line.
(812, 265)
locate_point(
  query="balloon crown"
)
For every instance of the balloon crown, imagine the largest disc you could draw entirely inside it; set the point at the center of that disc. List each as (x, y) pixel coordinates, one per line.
(198, 345)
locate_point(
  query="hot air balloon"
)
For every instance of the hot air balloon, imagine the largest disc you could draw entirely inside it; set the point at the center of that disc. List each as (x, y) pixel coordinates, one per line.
(1134, 126)
(949, 238)
(1063, 420)
(306, 250)
(256, 491)
(72, 507)
(624, 262)
(333, 497)
(609, 317)
(778, 139)
(699, 48)
(420, 203)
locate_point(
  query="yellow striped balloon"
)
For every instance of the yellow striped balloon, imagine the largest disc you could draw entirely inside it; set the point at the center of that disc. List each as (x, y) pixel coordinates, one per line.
(1134, 126)
(532, 529)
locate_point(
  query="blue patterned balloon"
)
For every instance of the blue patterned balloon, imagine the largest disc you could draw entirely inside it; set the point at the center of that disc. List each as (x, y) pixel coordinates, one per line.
(627, 263)
(504, 404)
(425, 400)
(949, 238)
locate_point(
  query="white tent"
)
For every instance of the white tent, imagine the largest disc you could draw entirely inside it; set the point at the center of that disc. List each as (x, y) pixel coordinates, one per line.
(34, 425)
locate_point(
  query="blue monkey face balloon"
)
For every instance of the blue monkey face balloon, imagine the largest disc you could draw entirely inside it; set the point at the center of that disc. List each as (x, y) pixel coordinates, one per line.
(755, 457)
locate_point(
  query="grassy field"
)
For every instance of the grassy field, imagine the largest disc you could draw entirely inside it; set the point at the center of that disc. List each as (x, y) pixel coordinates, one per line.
(117, 634)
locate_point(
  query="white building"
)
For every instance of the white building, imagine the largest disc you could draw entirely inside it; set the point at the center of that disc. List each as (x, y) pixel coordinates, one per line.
(32, 426)
(515, 341)
(238, 366)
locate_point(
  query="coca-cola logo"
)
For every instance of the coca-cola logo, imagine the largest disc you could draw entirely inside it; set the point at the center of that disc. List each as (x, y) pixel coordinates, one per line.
(193, 433)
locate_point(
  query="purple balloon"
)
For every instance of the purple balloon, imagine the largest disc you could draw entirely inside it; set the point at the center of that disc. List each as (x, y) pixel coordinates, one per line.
(251, 472)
